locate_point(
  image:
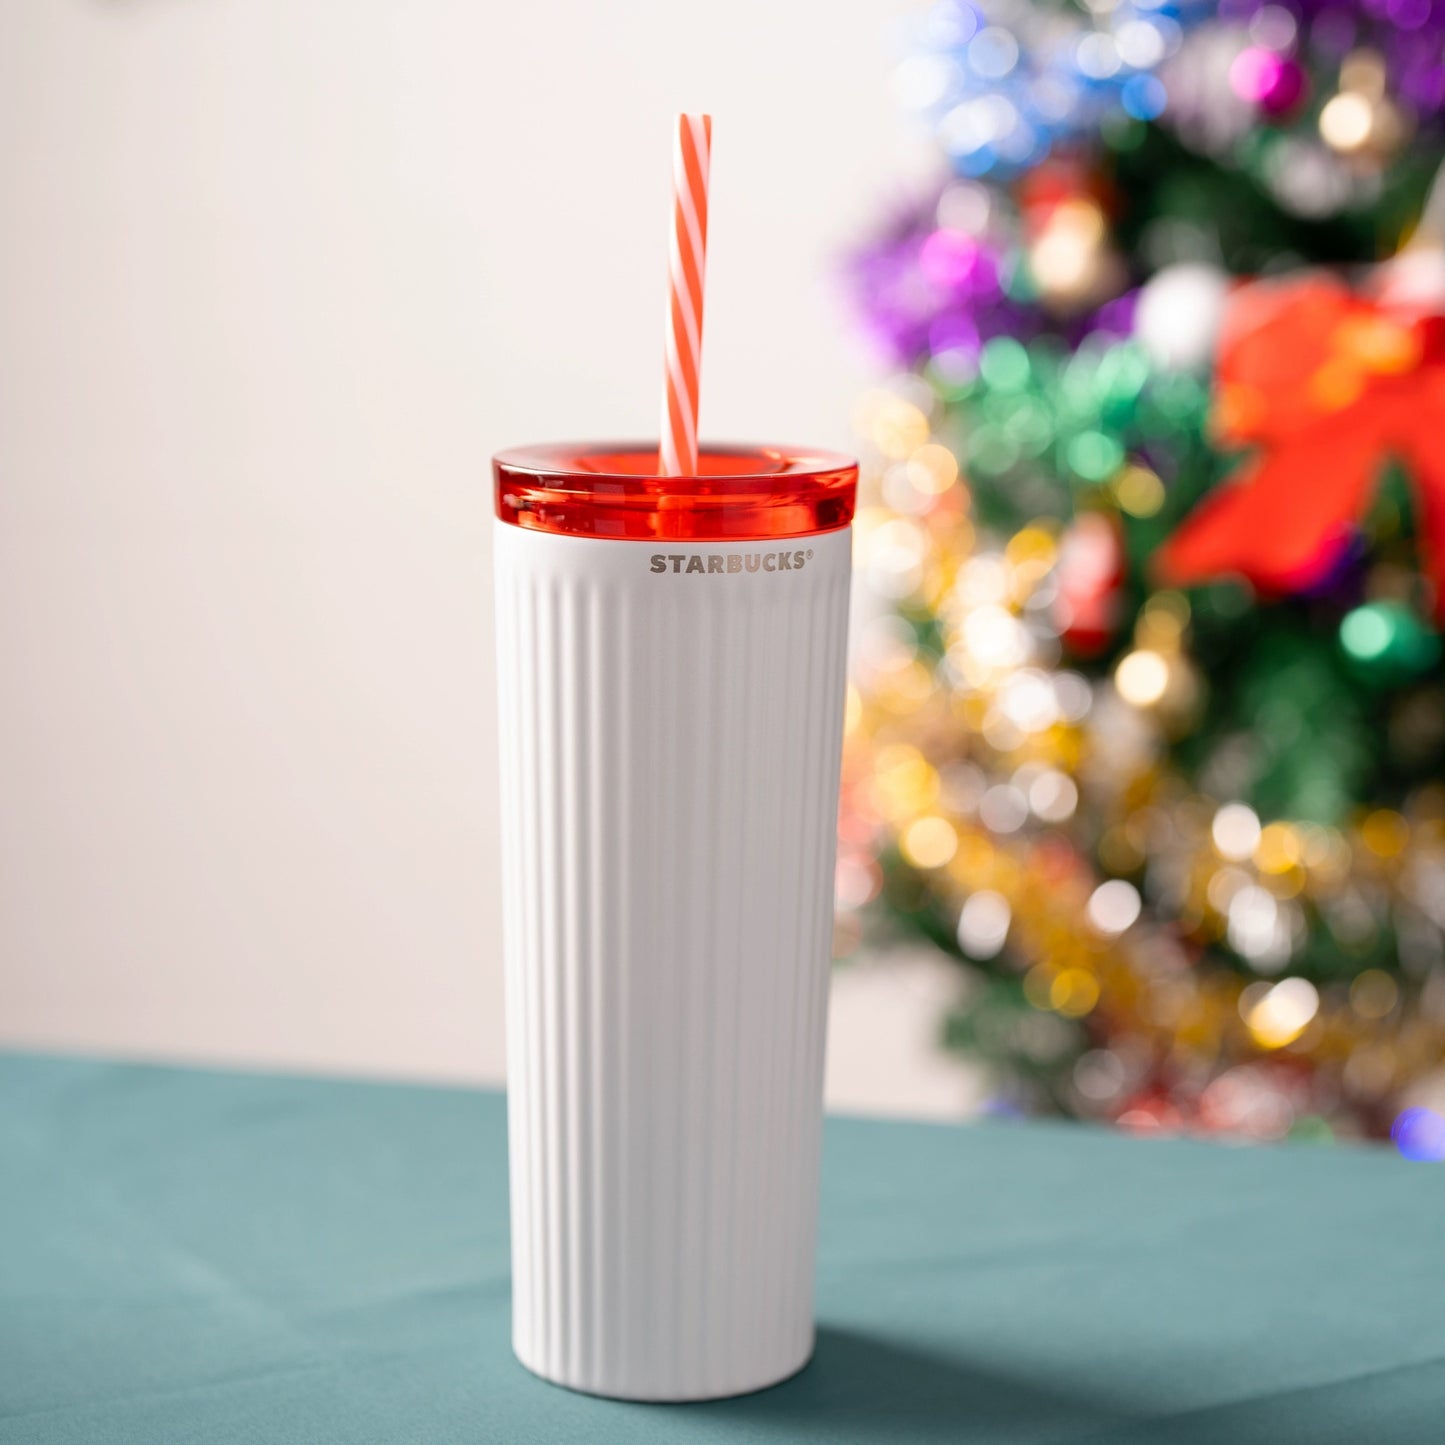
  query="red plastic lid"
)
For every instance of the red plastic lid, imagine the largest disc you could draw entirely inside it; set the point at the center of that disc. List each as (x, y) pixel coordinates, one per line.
(611, 489)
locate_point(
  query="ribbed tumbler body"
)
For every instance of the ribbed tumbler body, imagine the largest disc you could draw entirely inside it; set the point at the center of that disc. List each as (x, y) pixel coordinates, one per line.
(671, 724)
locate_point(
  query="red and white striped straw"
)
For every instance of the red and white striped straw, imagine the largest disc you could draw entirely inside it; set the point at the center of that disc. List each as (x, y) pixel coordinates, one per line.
(686, 264)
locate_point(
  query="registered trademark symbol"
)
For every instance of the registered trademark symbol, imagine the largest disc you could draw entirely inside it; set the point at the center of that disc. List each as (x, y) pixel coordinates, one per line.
(810, 554)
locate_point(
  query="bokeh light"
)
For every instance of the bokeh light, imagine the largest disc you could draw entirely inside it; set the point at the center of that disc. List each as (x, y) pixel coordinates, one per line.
(1419, 1133)
(1114, 906)
(983, 924)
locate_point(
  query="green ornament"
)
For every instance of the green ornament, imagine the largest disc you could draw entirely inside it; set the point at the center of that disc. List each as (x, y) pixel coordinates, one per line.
(1388, 642)
(1095, 455)
(1123, 370)
(1004, 364)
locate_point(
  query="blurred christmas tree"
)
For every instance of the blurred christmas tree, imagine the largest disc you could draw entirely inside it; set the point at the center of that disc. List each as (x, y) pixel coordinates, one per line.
(1149, 718)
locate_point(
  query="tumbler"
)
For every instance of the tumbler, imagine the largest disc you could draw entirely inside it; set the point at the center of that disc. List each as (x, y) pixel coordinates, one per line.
(670, 657)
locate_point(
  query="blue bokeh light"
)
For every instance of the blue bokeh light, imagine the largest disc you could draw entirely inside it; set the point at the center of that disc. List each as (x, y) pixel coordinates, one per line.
(1419, 1133)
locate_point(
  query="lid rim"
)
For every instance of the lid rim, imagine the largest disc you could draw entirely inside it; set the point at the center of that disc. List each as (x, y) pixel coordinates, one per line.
(543, 459)
(610, 489)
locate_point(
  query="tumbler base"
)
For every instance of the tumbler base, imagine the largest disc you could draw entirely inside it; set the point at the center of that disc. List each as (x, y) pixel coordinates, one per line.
(670, 1397)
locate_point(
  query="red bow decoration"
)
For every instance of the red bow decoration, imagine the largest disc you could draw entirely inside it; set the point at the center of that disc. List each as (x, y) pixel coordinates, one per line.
(1326, 385)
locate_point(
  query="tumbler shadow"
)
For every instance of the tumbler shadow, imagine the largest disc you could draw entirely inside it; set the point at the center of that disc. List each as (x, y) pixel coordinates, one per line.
(862, 1386)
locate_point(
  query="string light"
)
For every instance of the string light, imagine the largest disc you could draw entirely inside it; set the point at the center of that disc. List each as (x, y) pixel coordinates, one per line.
(1114, 906)
(933, 469)
(1142, 678)
(929, 842)
(983, 924)
(1073, 993)
(1283, 1013)
(1236, 831)
(1139, 491)
(1385, 833)
(1347, 121)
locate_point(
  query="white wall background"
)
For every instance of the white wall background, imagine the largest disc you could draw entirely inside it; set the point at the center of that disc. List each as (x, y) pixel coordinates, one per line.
(276, 277)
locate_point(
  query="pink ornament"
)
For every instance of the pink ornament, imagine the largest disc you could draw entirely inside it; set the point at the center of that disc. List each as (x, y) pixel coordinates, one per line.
(950, 260)
(1263, 77)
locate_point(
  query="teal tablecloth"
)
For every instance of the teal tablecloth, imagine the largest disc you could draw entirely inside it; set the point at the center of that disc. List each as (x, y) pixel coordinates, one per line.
(219, 1258)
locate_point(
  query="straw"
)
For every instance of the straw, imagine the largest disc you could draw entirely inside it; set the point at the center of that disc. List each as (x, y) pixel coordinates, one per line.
(687, 260)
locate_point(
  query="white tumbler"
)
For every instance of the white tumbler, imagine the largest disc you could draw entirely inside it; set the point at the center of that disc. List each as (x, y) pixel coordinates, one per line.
(670, 657)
